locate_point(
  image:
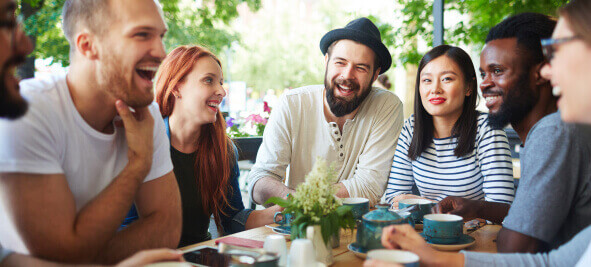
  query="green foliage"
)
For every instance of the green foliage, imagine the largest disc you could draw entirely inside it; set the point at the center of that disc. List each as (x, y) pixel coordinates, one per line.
(280, 48)
(476, 19)
(314, 203)
(330, 224)
(187, 24)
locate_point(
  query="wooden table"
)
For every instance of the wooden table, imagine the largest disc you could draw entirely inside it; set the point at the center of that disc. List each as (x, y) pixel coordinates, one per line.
(485, 242)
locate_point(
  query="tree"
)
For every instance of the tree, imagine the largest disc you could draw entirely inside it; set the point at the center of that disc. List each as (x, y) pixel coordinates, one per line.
(476, 19)
(188, 24)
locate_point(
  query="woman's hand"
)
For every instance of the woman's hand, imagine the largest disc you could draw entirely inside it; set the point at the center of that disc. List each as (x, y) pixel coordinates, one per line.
(260, 218)
(404, 196)
(406, 238)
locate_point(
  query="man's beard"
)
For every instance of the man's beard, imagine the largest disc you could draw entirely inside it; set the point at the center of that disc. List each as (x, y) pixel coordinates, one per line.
(113, 80)
(11, 106)
(339, 106)
(517, 103)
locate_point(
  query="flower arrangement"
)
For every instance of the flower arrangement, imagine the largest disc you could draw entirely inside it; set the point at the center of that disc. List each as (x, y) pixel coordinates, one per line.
(253, 124)
(315, 203)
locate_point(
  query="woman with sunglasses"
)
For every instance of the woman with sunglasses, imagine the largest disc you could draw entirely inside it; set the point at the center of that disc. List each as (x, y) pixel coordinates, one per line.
(447, 147)
(189, 92)
(569, 57)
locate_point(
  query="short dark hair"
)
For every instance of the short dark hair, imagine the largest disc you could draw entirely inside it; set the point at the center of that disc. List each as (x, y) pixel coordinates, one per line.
(376, 60)
(93, 14)
(529, 29)
(465, 127)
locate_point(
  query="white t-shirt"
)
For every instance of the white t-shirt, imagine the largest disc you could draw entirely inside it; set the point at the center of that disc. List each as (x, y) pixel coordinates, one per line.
(53, 138)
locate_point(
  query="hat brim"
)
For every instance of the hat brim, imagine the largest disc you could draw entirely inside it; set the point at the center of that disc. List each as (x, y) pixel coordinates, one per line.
(376, 45)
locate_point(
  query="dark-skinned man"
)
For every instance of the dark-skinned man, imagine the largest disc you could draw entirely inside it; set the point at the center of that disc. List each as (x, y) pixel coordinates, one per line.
(553, 201)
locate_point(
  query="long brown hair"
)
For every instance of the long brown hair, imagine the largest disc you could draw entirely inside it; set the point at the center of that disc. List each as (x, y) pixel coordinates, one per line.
(215, 153)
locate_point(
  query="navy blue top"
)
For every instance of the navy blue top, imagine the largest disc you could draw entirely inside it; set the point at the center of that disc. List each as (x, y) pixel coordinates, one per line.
(195, 220)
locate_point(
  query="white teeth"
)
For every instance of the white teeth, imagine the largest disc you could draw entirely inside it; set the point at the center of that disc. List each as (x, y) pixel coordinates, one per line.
(213, 105)
(148, 68)
(556, 91)
(491, 98)
(346, 88)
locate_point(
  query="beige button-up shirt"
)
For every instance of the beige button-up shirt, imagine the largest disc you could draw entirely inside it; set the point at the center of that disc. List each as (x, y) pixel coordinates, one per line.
(297, 133)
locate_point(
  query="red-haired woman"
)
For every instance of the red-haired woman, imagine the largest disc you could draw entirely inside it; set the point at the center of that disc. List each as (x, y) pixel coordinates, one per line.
(189, 91)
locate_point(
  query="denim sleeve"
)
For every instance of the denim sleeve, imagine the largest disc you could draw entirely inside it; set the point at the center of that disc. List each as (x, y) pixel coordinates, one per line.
(236, 215)
(566, 255)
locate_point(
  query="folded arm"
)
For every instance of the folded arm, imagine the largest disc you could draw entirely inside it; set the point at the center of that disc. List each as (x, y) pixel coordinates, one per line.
(43, 210)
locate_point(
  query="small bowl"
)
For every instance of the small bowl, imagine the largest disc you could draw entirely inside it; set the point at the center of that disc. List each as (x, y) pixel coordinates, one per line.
(423, 207)
(443, 228)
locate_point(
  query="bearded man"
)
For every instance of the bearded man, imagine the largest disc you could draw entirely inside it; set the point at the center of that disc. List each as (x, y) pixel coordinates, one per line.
(69, 174)
(553, 201)
(346, 122)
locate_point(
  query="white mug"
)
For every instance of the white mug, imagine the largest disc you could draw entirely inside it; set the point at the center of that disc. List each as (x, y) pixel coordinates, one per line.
(301, 253)
(405, 258)
(277, 244)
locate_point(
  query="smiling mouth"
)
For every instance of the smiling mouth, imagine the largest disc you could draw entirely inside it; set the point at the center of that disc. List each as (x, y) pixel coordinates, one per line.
(437, 101)
(491, 100)
(147, 73)
(213, 105)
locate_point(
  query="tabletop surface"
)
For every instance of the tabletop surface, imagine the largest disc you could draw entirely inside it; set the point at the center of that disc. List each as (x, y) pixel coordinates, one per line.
(485, 242)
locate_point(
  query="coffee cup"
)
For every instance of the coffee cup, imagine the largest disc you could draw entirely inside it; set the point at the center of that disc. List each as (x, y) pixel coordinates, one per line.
(423, 207)
(443, 228)
(277, 244)
(404, 258)
(283, 219)
(359, 206)
(301, 253)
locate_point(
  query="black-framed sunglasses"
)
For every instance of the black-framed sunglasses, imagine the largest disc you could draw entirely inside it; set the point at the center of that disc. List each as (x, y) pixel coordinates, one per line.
(549, 45)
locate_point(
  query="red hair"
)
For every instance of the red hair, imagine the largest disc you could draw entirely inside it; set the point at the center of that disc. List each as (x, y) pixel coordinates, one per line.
(215, 154)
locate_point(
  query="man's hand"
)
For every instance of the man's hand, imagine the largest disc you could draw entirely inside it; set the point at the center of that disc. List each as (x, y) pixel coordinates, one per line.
(472, 209)
(151, 256)
(468, 209)
(139, 132)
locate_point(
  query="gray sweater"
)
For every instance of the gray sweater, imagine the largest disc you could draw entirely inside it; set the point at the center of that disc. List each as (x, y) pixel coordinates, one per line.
(566, 255)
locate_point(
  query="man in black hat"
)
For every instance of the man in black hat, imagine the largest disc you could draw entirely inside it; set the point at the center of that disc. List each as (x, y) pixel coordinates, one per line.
(346, 122)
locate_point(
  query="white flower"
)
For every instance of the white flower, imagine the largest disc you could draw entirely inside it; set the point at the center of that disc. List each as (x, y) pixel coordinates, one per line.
(318, 189)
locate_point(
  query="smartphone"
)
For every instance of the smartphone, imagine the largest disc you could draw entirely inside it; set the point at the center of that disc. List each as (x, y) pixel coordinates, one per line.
(206, 256)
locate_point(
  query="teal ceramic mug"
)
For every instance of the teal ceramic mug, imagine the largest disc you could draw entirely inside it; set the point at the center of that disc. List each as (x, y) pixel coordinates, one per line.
(359, 206)
(423, 207)
(283, 219)
(443, 228)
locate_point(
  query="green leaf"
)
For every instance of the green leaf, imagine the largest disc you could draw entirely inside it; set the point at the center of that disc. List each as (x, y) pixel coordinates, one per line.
(278, 201)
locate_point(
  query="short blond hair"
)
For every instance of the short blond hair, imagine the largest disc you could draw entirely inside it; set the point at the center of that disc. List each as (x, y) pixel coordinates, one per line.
(92, 14)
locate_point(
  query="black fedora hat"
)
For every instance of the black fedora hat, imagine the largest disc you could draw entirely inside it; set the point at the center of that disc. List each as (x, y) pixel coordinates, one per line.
(361, 30)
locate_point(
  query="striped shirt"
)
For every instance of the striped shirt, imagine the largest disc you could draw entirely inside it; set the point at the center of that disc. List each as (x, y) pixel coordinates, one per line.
(485, 173)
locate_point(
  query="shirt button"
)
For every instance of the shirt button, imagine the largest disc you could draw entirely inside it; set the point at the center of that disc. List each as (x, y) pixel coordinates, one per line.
(341, 154)
(341, 146)
(338, 139)
(336, 132)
